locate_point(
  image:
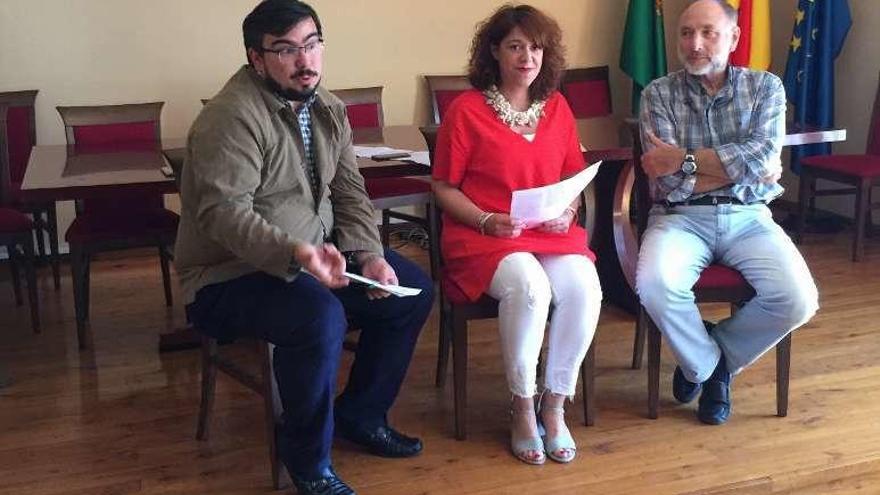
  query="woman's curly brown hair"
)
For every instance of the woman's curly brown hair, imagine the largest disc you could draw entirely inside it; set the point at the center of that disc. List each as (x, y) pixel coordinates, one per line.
(483, 70)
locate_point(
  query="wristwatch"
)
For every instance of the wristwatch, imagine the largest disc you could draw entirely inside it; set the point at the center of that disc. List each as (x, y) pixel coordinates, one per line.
(689, 165)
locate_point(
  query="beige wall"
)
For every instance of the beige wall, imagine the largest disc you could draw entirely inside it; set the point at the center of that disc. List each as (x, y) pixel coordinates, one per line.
(178, 51)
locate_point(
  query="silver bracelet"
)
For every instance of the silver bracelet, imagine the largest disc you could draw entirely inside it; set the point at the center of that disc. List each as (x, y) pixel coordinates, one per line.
(481, 223)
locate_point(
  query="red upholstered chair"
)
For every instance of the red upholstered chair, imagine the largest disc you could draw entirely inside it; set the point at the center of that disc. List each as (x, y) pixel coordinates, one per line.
(391, 189)
(456, 311)
(442, 90)
(20, 136)
(587, 91)
(15, 233)
(861, 171)
(363, 105)
(118, 221)
(717, 283)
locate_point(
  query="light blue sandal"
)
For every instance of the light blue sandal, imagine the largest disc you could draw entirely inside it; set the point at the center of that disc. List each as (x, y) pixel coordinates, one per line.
(560, 448)
(521, 447)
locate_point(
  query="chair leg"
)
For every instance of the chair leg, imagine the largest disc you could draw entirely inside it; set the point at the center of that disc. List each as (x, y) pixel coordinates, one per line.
(31, 277)
(588, 384)
(79, 267)
(386, 228)
(209, 382)
(654, 344)
(39, 234)
(804, 197)
(166, 274)
(55, 259)
(459, 374)
(12, 251)
(863, 195)
(272, 409)
(783, 371)
(639, 341)
(444, 342)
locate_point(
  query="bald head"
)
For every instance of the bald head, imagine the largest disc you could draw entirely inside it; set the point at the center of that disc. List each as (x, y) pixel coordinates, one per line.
(728, 11)
(707, 35)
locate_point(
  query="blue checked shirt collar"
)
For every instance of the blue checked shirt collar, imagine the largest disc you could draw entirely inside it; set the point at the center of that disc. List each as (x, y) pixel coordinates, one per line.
(304, 118)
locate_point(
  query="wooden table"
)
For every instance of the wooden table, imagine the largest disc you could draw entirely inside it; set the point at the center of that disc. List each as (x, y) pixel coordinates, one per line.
(62, 172)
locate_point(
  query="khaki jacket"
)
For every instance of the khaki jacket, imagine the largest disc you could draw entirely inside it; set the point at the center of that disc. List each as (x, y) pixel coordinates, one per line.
(245, 196)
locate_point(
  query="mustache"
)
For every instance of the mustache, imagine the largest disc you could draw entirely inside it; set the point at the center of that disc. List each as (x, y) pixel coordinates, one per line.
(304, 72)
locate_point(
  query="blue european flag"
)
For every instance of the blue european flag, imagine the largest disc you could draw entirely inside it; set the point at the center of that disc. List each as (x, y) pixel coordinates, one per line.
(820, 28)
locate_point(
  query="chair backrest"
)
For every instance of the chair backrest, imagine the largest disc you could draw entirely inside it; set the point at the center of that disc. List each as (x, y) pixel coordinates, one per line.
(641, 193)
(20, 134)
(442, 90)
(587, 91)
(123, 127)
(4, 158)
(363, 105)
(873, 147)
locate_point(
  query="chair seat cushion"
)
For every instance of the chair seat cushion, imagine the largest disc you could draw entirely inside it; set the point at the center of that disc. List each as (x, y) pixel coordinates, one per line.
(91, 227)
(13, 221)
(384, 187)
(855, 165)
(720, 277)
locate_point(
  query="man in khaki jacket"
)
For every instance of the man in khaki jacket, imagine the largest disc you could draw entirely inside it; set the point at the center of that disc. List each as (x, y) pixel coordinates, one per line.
(273, 212)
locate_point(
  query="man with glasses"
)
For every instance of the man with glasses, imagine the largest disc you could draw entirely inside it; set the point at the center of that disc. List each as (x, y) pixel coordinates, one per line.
(273, 213)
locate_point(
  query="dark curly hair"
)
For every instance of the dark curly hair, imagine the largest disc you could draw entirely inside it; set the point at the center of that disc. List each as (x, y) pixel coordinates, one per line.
(483, 70)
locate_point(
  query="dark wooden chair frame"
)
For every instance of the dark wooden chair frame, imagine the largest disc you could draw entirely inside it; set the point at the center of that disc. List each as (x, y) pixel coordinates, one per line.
(81, 254)
(43, 213)
(443, 83)
(598, 73)
(454, 318)
(861, 187)
(736, 297)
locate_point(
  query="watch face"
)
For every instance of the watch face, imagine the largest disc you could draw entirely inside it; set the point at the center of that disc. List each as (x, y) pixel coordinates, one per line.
(688, 167)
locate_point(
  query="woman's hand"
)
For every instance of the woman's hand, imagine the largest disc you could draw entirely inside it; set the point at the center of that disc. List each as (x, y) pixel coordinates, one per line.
(501, 225)
(558, 225)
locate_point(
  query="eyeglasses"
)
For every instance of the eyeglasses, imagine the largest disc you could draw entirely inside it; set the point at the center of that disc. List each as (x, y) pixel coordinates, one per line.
(289, 53)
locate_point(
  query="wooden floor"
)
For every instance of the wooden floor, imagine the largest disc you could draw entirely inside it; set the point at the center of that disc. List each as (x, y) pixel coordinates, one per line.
(120, 419)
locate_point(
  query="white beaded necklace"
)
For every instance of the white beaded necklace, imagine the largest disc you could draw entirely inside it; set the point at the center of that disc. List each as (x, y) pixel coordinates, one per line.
(507, 114)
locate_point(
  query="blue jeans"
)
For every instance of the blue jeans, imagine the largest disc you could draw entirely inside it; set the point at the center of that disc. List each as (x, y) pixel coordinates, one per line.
(681, 241)
(307, 323)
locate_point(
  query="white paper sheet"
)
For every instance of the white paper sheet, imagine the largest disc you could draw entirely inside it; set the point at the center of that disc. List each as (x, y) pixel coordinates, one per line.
(396, 290)
(537, 205)
(420, 157)
(371, 151)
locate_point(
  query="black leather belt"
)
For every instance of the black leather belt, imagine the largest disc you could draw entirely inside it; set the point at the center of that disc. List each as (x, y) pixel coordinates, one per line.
(707, 200)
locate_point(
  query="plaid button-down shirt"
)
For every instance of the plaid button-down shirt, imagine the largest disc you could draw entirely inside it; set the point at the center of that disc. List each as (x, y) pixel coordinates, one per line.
(744, 123)
(304, 117)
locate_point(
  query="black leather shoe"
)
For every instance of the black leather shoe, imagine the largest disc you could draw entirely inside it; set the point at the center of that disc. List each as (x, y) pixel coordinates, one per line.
(714, 407)
(683, 390)
(383, 440)
(330, 484)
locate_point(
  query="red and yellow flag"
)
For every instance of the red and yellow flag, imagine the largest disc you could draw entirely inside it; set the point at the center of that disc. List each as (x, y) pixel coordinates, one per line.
(754, 41)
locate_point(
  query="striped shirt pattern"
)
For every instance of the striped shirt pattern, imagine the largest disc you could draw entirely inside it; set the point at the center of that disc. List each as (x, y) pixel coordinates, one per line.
(744, 122)
(304, 117)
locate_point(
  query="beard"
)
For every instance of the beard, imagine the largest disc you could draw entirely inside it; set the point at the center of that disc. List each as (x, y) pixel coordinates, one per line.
(717, 63)
(290, 93)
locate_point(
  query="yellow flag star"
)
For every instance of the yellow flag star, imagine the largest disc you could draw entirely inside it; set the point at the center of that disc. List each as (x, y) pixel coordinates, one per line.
(799, 17)
(795, 44)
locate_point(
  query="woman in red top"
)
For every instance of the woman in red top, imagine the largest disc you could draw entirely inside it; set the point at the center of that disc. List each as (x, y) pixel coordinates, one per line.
(515, 131)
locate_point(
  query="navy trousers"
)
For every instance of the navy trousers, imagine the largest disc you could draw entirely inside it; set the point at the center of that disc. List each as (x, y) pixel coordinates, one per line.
(307, 323)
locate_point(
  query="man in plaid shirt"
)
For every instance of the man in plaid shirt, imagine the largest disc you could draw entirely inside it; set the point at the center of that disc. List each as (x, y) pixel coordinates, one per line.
(712, 135)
